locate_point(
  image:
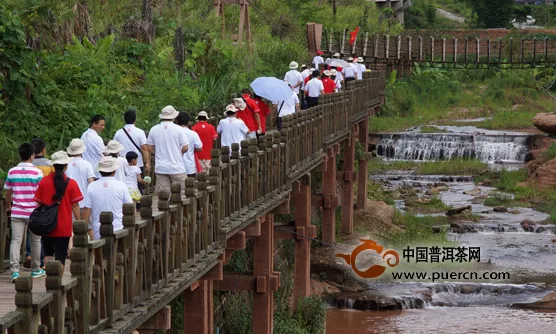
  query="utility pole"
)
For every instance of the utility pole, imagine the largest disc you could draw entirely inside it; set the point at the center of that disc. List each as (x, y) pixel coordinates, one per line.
(244, 20)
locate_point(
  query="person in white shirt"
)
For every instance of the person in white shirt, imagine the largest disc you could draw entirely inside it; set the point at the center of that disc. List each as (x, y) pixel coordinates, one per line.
(134, 179)
(337, 81)
(318, 60)
(105, 195)
(93, 142)
(113, 149)
(361, 67)
(314, 88)
(285, 108)
(134, 140)
(293, 77)
(305, 72)
(350, 72)
(195, 144)
(79, 169)
(231, 129)
(336, 56)
(358, 74)
(168, 142)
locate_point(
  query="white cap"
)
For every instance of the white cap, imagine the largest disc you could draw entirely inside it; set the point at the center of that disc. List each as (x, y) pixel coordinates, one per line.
(168, 112)
(114, 146)
(203, 114)
(107, 164)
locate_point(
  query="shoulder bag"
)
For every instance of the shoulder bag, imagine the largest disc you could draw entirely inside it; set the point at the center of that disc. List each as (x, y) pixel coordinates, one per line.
(44, 219)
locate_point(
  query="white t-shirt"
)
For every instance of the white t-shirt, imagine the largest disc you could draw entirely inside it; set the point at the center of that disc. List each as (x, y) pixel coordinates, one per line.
(317, 60)
(232, 130)
(80, 170)
(361, 68)
(289, 106)
(189, 156)
(349, 71)
(131, 178)
(339, 75)
(168, 139)
(95, 147)
(304, 75)
(314, 87)
(138, 137)
(122, 172)
(338, 83)
(293, 77)
(106, 194)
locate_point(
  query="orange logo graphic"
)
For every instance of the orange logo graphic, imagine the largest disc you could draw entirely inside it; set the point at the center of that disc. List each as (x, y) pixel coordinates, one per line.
(375, 270)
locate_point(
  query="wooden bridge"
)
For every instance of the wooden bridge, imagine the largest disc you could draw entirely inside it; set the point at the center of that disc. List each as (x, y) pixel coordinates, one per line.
(177, 245)
(404, 51)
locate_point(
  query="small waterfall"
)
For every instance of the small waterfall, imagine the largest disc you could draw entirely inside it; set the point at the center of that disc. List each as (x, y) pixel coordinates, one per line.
(448, 146)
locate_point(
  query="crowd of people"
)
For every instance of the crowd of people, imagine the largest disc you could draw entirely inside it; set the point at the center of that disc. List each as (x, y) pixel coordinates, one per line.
(91, 177)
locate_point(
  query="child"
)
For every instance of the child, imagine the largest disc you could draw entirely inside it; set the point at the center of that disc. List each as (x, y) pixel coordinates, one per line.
(134, 177)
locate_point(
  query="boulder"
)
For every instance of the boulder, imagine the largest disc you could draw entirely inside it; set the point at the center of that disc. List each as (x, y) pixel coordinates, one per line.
(547, 303)
(487, 182)
(474, 192)
(545, 122)
(500, 209)
(540, 229)
(370, 302)
(544, 174)
(457, 211)
(431, 191)
(442, 188)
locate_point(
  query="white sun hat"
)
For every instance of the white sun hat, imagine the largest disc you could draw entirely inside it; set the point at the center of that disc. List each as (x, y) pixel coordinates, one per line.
(168, 112)
(114, 146)
(76, 147)
(59, 158)
(107, 164)
(294, 65)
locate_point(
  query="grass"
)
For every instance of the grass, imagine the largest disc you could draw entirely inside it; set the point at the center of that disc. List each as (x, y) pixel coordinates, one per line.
(416, 230)
(499, 200)
(431, 129)
(377, 193)
(433, 206)
(446, 167)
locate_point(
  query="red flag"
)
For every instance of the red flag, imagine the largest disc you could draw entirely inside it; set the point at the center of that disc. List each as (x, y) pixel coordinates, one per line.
(353, 35)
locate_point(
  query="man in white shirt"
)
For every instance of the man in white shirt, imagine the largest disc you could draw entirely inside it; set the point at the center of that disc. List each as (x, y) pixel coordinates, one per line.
(318, 60)
(93, 142)
(350, 72)
(293, 77)
(361, 67)
(79, 169)
(168, 142)
(195, 144)
(231, 129)
(314, 88)
(305, 72)
(105, 195)
(285, 108)
(134, 140)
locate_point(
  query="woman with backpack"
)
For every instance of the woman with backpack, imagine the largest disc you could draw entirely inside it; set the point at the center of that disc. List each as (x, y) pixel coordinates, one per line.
(58, 188)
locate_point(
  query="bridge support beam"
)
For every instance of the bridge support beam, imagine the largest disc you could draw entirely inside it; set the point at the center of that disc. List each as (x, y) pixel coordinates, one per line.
(362, 178)
(198, 303)
(329, 196)
(263, 265)
(302, 266)
(347, 196)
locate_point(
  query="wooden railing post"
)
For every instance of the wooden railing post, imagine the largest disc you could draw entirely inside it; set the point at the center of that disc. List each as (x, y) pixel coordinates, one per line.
(191, 193)
(24, 304)
(163, 232)
(177, 226)
(109, 254)
(53, 282)
(147, 215)
(131, 244)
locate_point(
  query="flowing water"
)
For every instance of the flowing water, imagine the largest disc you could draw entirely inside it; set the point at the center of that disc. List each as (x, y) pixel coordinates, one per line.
(526, 252)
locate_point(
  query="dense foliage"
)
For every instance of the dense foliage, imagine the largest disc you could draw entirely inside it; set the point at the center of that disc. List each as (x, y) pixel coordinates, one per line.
(492, 13)
(62, 62)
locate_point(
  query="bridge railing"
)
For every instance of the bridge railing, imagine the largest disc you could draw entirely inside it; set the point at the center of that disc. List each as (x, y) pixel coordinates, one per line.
(115, 280)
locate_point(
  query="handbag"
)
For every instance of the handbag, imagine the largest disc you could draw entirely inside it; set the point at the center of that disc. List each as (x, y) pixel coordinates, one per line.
(44, 219)
(132, 141)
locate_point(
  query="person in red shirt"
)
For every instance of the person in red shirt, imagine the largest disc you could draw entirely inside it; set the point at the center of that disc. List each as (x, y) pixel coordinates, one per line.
(57, 187)
(264, 111)
(329, 85)
(207, 133)
(249, 113)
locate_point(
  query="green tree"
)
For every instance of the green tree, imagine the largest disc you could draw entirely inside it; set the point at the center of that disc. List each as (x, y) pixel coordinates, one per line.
(492, 13)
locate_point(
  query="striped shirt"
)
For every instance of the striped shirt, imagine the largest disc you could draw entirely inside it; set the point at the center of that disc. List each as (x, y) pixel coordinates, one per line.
(23, 180)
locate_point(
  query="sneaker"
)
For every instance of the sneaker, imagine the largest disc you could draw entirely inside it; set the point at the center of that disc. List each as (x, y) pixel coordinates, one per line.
(38, 273)
(14, 277)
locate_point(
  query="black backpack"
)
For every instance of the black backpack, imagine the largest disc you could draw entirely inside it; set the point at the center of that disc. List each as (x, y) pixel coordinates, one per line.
(44, 219)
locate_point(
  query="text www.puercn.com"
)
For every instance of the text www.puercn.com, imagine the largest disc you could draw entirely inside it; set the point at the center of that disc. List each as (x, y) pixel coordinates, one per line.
(466, 275)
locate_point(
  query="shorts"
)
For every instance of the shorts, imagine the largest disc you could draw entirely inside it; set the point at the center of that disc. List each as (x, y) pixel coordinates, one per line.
(56, 247)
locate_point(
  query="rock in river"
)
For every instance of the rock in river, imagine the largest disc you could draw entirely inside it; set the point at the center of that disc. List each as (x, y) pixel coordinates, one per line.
(457, 211)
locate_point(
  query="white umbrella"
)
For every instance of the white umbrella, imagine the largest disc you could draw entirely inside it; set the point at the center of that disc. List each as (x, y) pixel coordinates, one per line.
(336, 62)
(271, 88)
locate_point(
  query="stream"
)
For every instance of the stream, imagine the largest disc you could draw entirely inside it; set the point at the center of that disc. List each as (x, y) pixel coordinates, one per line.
(518, 242)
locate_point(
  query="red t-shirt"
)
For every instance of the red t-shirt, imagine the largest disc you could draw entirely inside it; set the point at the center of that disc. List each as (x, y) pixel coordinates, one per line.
(72, 195)
(264, 112)
(207, 133)
(329, 86)
(248, 115)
